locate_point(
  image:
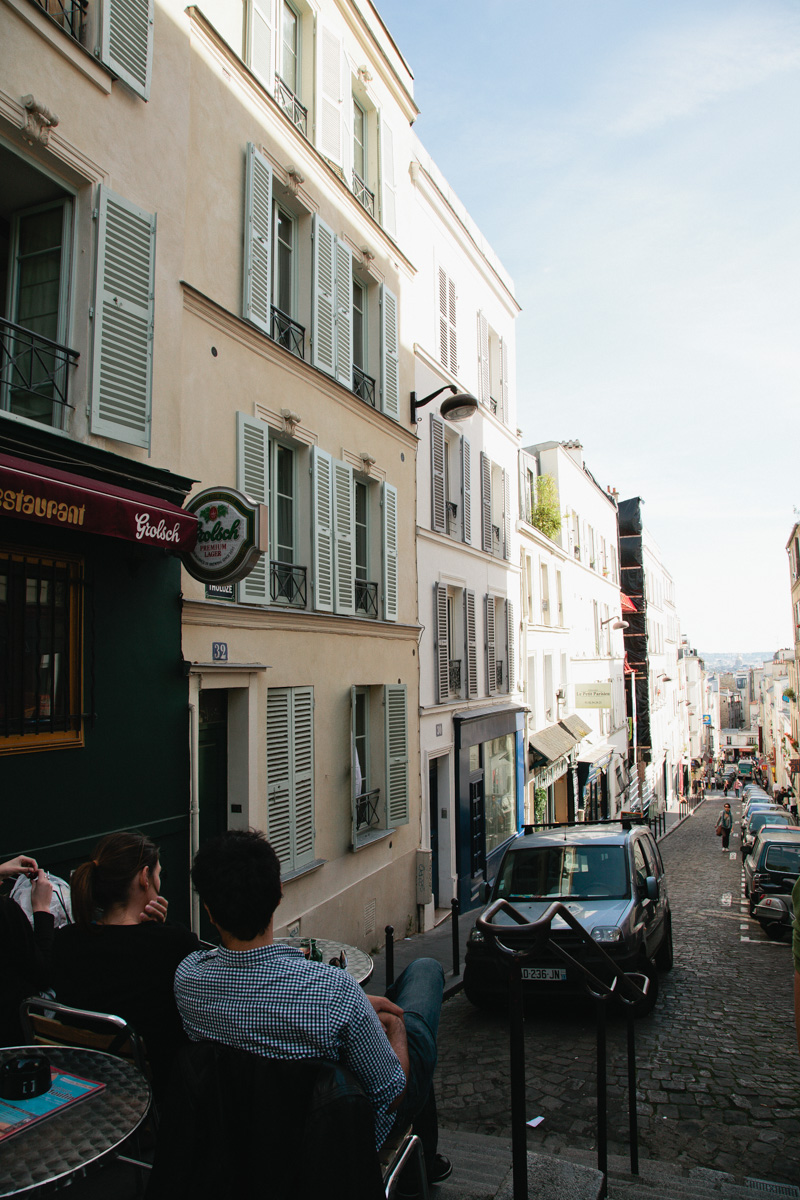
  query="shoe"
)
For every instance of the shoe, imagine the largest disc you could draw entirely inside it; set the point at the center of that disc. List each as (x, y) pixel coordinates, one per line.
(438, 1170)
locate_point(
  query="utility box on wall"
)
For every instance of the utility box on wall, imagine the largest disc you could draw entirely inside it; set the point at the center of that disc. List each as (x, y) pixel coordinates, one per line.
(424, 876)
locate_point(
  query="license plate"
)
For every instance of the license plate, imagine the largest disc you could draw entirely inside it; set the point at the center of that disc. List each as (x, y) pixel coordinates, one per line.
(558, 974)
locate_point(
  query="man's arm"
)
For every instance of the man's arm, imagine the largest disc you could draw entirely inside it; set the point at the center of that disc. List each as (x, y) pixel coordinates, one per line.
(391, 1019)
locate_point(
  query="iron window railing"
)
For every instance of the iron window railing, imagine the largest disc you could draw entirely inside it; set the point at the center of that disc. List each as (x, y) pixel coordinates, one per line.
(455, 675)
(363, 385)
(452, 516)
(69, 14)
(367, 598)
(287, 584)
(294, 110)
(288, 333)
(34, 371)
(498, 671)
(363, 195)
(367, 814)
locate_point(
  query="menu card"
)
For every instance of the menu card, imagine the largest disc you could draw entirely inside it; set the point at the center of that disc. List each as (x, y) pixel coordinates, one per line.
(65, 1090)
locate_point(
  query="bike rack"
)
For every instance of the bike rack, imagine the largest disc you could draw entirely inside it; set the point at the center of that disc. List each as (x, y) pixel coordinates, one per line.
(529, 938)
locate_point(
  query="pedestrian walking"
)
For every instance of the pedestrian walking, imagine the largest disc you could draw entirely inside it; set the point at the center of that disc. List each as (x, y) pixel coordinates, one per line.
(737, 787)
(726, 785)
(725, 825)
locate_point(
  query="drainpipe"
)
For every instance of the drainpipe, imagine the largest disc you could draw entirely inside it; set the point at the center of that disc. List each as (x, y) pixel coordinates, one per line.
(194, 805)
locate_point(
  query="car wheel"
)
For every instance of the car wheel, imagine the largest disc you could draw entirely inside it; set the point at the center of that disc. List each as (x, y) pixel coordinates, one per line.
(775, 932)
(641, 1008)
(664, 955)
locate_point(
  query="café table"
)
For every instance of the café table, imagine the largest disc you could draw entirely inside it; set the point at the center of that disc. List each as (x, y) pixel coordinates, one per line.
(359, 963)
(68, 1140)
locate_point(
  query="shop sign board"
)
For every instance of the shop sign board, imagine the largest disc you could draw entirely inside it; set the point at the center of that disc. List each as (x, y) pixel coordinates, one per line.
(549, 774)
(231, 535)
(593, 695)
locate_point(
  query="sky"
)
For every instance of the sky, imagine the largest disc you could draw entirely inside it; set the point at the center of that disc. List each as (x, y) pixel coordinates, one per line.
(636, 166)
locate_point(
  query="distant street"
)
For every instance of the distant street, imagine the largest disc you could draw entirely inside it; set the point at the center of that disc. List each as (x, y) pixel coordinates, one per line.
(718, 1068)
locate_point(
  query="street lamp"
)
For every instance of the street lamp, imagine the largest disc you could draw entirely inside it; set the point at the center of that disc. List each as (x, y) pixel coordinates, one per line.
(458, 407)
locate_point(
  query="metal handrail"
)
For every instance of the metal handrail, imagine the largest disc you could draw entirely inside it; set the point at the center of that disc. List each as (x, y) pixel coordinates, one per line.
(367, 597)
(367, 815)
(288, 333)
(22, 351)
(363, 195)
(287, 583)
(363, 385)
(531, 938)
(68, 14)
(295, 111)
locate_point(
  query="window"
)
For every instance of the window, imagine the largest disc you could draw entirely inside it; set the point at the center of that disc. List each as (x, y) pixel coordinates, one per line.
(448, 338)
(456, 656)
(451, 494)
(40, 652)
(289, 66)
(559, 599)
(492, 369)
(545, 594)
(379, 761)
(495, 509)
(290, 775)
(500, 648)
(119, 31)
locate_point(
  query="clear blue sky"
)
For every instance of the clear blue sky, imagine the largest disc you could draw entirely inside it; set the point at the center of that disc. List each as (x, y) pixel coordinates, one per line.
(636, 165)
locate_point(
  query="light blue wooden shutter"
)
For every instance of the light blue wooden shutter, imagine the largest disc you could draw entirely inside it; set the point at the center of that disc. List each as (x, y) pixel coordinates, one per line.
(388, 185)
(486, 503)
(390, 355)
(396, 718)
(252, 478)
(344, 537)
(279, 781)
(438, 451)
(122, 352)
(442, 648)
(390, 576)
(302, 742)
(126, 42)
(261, 41)
(512, 674)
(344, 314)
(466, 490)
(484, 387)
(329, 96)
(491, 660)
(323, 306)
(322, 508)
(257, 239)
(471, 644)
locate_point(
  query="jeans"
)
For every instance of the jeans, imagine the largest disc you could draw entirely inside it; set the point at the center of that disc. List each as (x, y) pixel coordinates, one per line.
(419, 991)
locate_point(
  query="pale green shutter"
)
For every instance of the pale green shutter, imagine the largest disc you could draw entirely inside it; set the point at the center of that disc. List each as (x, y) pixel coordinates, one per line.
(261, 41)
(344, 537)
(126, 43)
(252, 478)
(322, 509)
(303, 770)
(466, 490)
(344, 314)
(323, 310)
(257, 239)
(396, 754)
(442, 648)
(486, 503)
(388, 185)
(471, 644)
(390, 575)
(279, 783)
(438, 451)
(390, 355)
(329, 97)
(491, 660)
(122, 352)
(484, 387)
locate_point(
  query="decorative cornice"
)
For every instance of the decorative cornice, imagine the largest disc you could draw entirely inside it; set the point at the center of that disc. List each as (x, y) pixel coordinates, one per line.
(82, 168)
(286, 620)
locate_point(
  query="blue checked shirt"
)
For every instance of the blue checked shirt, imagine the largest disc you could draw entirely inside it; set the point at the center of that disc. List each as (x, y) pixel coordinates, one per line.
(272, 1001)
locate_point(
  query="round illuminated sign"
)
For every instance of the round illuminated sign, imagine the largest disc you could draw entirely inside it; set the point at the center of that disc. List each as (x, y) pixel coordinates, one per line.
(230, 529)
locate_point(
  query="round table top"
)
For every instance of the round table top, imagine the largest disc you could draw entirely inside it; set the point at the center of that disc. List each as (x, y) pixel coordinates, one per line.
(76, 1136)
(359, 963)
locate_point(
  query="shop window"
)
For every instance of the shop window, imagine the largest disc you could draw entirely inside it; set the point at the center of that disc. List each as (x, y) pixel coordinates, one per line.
(40, 652)
(500, 790)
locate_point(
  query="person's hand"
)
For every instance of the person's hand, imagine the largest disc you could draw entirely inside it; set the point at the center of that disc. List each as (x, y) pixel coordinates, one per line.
(41, 892)
(382, 1005)
(16, 866)
(155, 910)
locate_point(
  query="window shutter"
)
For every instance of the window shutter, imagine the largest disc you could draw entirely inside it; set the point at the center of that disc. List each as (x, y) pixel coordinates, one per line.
(390, 578)
(322, 508)
(396, 754)
(122, 352)
(486, 503)
(466, 490)
(388, 185)
(438, 451)
(442, 651)
(343, 539)
(323, 312)
(448, 353)
(491, 662)
(257, 239)
(329, 92)
(451, 309)
(506, 516)
(484, 386)
(279, 784)
(504, 414)
(511, 651)
(355, 770)
(390, 355)
(344, 314)
(252, 478)
(347, 120)
(126, 46)
(471, 644)
(261, 41)
(302, 743)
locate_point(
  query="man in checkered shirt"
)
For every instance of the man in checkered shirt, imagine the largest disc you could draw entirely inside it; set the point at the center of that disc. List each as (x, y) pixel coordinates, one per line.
(269, 999)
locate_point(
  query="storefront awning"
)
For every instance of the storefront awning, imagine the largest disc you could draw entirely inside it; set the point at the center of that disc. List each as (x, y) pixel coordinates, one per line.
(59, 499)
(576, 726)
(598, 755)
(555, 741)
(627, 604)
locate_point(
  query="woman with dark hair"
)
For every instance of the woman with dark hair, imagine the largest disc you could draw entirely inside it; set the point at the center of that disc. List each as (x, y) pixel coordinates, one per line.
(119, 956)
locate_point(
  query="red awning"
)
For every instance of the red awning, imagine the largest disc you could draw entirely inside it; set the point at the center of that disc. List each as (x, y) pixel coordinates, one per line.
(627, 604)
(43, 494)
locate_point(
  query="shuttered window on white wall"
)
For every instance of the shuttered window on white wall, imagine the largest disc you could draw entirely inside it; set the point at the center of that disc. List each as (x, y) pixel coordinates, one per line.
(257, 239)
(252, 478)
(486, 503)
(261, 41)
(484, 385)
(322, 509)
(448, 342)
(506, 515)
(466, 490)
(504, 414)
(396, 703)
(390, 572)
(388, 185)
(122, 350)
(344, 537)
(331, 304)
(438, 498)
(290, 775)
(511, 647)
(126, 41)
(471, 644)
(491, 660)
(390, 354)
(329, 133)
(442, 643)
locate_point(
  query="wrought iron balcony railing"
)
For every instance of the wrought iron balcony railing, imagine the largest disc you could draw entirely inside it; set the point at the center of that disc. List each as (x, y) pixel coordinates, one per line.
(363, 195)
(294, 110)
(455, 675)
(452, 516)
(367, 815)
(34, 372)
(288, 333)
(363, 385)
(287, 584)
(367, 598)
(69, 14)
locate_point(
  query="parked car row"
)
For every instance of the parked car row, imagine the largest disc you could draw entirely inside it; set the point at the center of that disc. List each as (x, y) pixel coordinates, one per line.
(771, 861)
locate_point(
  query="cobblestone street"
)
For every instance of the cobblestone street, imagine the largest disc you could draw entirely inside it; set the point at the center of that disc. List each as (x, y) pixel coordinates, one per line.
(718, 1069)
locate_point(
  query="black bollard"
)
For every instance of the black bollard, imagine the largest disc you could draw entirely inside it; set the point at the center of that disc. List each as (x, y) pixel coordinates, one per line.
(454, 909)
(389, 956)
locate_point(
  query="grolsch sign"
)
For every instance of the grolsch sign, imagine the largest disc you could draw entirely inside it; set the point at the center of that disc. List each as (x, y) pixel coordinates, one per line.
(231, 535)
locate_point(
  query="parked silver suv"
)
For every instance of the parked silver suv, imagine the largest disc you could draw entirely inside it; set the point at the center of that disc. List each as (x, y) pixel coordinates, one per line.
(610, 877)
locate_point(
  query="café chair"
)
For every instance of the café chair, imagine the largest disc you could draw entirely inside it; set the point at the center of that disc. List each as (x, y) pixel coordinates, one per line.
(303, 1127)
